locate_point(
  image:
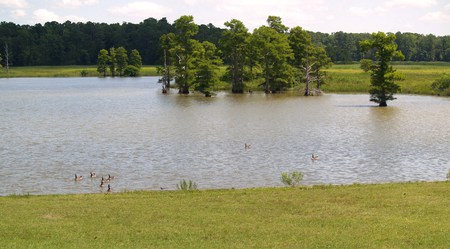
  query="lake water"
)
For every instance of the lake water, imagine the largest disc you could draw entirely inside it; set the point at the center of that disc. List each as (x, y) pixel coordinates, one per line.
(52, 128)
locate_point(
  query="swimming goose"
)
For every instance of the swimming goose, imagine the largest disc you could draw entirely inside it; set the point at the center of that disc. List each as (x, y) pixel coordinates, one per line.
(78, 178)
(247, 146)
(109, 188)
(314, 157)
(93, 175)
(110, 177)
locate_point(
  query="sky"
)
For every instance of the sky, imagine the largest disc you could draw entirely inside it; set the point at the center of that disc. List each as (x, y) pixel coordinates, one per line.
(327, 16)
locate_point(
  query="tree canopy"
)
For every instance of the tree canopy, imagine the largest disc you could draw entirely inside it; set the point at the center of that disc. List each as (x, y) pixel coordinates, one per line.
(382, 73)
(77, 43)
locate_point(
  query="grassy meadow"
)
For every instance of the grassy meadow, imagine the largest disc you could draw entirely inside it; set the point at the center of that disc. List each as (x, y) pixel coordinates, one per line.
(418, 77)
(397, 215)
(340, 78)
(63, 71)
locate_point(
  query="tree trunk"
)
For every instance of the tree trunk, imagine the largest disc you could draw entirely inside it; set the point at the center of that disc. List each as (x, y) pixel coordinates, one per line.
(383, 103)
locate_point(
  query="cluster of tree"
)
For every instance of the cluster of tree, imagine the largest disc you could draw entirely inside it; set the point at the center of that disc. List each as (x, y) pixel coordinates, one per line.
(278, 55)
(71, 43)
(118, 62)
(345, 47)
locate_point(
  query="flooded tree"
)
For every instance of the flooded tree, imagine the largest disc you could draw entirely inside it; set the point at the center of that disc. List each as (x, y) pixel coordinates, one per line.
(183, 51)
(234, 45)
(382, 74)
(273, 52)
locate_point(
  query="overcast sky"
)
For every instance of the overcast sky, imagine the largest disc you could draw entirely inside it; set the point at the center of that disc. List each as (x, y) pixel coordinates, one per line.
(327, 16)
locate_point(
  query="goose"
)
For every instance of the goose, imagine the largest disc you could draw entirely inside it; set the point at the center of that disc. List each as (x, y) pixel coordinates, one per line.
(109, 188)
(247, 146)
(93, 175)
(314, 157)
(110, 177)
(78, 178)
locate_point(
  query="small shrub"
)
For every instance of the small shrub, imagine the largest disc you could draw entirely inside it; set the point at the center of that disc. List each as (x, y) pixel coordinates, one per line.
(442, 85)
(84, 73)
(366, 64)
(187, 185)
(291, 179)
(131, 71)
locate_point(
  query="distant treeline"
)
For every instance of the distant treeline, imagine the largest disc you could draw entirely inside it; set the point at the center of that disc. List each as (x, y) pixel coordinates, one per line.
(79, 43)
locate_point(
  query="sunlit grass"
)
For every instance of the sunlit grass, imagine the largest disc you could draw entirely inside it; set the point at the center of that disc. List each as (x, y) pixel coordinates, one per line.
(418, 77)
(401, 215)
(63, 71)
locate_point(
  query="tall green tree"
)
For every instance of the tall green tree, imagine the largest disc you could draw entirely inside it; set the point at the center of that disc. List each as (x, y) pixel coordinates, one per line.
(122, 60)
(234, 44)
(300, 42)
(183, 52)
(102, 62)
(273, 53)
(382, 74)
(112, 61)
(275, 22)
(1, 60)
(207, 66)
(135, 59)
(166, 41)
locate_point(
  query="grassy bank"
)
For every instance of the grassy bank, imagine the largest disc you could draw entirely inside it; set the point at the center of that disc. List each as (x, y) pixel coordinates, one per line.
(418, 77)
(401, 215)
(341, 78)
(63, 71)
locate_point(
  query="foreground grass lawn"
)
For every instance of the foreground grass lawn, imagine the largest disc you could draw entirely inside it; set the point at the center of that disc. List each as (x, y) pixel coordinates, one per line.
(401, 215)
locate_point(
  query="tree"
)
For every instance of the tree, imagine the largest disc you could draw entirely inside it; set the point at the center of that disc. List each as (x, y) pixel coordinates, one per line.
(382, 73)
(300, 42)
(102, 62)
(135, 59)
(6, 58)
(183, 51)
(320, 60)
(122, 60)
(273, 52)
(234, 43)
(112, 61)
(276, 23)
(207, 65)
(1, 60)
(167, 41)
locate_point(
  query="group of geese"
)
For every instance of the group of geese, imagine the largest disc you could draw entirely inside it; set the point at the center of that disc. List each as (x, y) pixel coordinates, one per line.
(103, 182)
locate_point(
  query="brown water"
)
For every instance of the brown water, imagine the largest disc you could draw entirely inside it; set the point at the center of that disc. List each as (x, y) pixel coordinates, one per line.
(53, 128)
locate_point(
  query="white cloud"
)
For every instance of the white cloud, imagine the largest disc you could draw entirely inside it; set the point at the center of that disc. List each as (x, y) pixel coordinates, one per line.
(73, 18)
(140, 10)
(43, 15)
(76, 3)
(18, 13)
(436, 16)
(20, 4)
(254, 13)
(411, 3)
(359, 11)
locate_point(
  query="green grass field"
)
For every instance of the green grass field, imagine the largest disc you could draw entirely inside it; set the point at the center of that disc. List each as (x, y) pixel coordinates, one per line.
(398, 215)
(63, 71)
(418, 77)
(341, 78)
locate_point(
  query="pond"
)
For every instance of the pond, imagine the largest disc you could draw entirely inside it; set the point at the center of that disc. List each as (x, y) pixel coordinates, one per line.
(54, 128)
